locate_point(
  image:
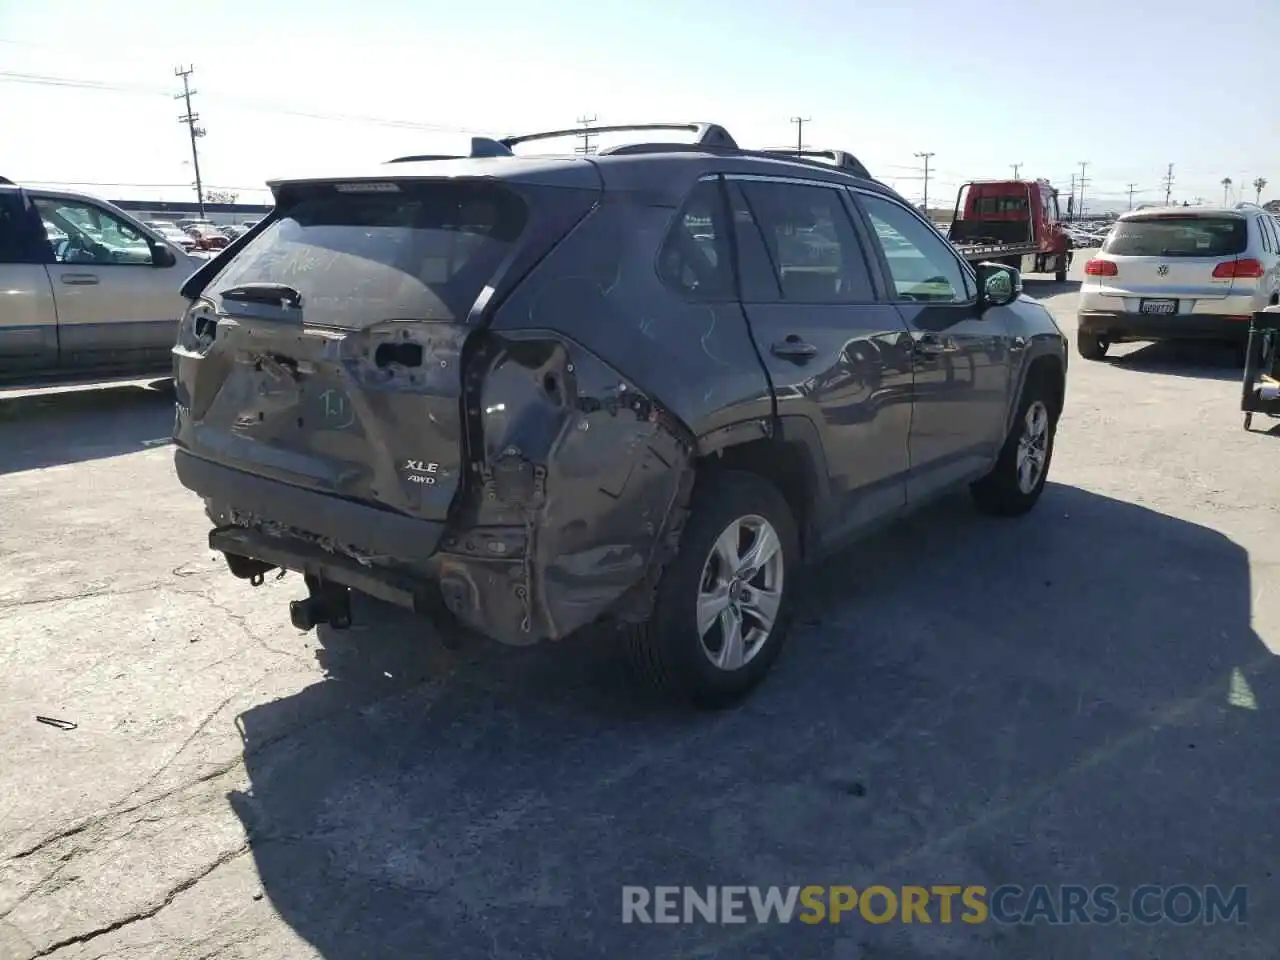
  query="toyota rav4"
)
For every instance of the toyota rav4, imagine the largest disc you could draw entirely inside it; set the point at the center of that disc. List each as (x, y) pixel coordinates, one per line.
(641, 386)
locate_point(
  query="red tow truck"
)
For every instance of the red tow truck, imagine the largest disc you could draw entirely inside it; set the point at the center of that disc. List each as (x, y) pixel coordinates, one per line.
(1014, 222)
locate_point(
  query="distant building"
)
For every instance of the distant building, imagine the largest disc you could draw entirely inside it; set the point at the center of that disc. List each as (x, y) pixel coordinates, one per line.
(177, 210)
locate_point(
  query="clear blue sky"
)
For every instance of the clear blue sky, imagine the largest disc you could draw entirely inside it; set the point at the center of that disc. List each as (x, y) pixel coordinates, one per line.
(286, 86)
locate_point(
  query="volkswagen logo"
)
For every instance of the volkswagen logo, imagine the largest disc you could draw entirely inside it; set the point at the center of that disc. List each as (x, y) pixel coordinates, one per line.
(1163, 269)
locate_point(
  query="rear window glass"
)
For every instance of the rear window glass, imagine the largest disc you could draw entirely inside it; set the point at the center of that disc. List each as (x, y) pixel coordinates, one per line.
(422, 251)
(1005, 204)
(1178, 237)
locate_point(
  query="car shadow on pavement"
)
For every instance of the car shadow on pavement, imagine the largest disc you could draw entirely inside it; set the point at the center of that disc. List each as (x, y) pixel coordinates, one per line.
(1074, 697)
(50, 428)
(1175, 358)
(1040, 289)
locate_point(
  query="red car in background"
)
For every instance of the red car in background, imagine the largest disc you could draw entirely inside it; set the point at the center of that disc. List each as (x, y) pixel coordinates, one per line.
(207, 238)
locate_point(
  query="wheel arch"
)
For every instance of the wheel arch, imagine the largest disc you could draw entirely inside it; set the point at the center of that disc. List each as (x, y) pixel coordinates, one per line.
(1048, 369)
(789, 455)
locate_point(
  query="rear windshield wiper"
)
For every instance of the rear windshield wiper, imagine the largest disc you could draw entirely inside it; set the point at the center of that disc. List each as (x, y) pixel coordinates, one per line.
(270, 294)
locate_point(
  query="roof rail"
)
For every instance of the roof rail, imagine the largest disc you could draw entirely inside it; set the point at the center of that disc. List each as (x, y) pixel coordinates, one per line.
(842, 159)
(480, 147)
(705, 134)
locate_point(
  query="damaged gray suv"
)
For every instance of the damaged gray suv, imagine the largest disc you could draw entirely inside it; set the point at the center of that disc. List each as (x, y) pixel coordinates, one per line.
(642, 386)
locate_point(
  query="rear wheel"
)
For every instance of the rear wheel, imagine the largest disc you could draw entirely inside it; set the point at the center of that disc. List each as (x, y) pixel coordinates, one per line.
(1092, 346)
(723, 604)
(1016, 481)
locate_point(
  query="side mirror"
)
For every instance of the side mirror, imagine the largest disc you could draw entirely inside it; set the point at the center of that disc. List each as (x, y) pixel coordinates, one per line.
(998, 285)
(162, 256)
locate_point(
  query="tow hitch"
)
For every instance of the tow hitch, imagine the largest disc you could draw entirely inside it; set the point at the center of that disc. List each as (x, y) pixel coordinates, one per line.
(328, 603)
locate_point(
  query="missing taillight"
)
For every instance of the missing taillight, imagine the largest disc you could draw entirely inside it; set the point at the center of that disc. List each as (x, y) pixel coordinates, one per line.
(206, 328)
(397, 354)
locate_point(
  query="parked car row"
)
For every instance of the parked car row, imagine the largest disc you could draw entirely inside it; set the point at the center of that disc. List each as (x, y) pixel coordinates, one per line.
(200, 235)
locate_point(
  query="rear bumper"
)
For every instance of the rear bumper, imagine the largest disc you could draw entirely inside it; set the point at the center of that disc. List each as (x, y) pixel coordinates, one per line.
(368, 530)
(481, 577)
(1118, 326)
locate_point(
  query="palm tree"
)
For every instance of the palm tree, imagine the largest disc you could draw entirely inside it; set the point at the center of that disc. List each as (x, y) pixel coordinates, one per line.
(1226, 189)
(1258, 186)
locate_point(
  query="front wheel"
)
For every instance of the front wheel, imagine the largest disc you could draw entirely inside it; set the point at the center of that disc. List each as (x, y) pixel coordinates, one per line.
(723, 604)
(1016, 481)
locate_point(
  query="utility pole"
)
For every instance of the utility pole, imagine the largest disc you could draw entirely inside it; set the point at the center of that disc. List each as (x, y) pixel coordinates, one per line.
(190, 119)
(926, 156)
(1083, 181)
(1168, 186)
(800, 122)
(1131, 189)
(1071, 200)
(586, 134)
(1016, 168)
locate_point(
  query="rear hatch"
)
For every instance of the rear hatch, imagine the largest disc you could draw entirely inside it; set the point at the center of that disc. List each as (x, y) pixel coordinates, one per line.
(328, 352)
(1174, 256)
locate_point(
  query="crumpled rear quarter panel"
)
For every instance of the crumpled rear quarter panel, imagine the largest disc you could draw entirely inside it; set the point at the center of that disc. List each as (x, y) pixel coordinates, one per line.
(582, 469)
(606, 378)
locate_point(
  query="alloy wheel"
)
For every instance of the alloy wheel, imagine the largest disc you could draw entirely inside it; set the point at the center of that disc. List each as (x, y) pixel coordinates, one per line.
(740, 592)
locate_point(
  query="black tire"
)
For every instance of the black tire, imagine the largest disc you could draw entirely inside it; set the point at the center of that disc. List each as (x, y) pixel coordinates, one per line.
(1091, 346)
(1000, 492)
(667, 651)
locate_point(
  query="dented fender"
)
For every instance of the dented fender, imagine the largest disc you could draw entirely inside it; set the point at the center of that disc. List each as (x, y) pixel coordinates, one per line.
(577, 484)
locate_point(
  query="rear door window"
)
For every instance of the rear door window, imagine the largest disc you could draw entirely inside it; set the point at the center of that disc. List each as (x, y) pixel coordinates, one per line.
(1269, 242)
(363, 253)
(1178, 236)
(811, 242)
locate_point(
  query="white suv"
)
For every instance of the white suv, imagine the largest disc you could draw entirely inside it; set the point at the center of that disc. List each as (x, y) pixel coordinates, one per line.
(1179, 273)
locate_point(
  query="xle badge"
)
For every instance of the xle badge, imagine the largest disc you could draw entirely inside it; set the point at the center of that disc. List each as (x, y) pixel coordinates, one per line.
(421, 471)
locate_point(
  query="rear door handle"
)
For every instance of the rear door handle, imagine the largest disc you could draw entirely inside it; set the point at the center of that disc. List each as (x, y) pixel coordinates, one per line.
(793, 348)
(79, 279)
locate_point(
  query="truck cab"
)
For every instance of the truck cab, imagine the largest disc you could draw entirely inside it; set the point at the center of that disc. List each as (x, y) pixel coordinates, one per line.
(1016, 222)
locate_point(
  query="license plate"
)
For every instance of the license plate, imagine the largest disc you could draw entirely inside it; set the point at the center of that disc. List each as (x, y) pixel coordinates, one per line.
(1158, 306)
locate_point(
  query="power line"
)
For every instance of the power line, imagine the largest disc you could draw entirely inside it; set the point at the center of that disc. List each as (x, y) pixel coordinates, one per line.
(1082, 181)
(800, 122)
(1131, 189)
(190, 118)
(256, 105)
(586, 135)
(926, 155)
